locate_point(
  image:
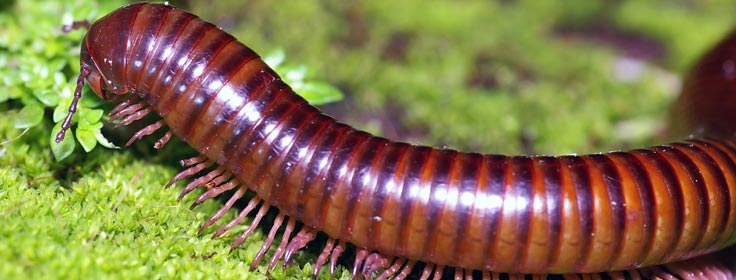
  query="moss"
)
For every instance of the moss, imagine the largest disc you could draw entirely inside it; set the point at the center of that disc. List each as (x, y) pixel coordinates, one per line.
(507, 76)
(115, 220)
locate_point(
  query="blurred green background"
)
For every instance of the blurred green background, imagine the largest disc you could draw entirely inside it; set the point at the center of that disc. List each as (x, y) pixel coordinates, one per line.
(530, 77)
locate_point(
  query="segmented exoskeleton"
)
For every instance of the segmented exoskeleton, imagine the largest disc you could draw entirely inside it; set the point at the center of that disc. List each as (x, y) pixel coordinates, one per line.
(619, 214)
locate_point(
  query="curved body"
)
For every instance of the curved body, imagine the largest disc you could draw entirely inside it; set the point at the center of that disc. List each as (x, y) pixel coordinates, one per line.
(567, 214)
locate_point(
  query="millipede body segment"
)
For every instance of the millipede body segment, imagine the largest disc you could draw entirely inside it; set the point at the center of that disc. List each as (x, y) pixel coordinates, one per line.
(654, 212)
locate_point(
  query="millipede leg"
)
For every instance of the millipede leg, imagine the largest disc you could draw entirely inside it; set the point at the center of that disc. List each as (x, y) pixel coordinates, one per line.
(304, 236)
(719, 265)
(75, 25)
(369, 260)
(252, 226)
(373, 264)
(218, 180)
(229, 204)
(137, 115)
(269, 240)
(322, 258)
(468, 274)
(243, 213)
(148, 130)
(405, 271)
(124, 111)
(162, 141)
(438, 270)
(201, 181)
(458, 274)
(122, 105)
(395, 266)
(427, 271)
(336, 252)
(635, 275)
(194, 165)
(216, 191)
(358, 263)
(192, 161)
(281, 249)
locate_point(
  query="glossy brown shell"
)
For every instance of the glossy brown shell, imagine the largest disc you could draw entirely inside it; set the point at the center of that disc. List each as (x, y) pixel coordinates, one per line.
(538, 214)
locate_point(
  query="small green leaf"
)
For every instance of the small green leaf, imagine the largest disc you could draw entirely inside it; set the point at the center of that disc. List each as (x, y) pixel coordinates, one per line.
(10, 78)
(41, 73)
(92, 115)
(103, 141)
(15, 92)
(3, 94)
(47, 96)
(61, 111)
(53, 48)
(65, 148)
(57, 64)
(89, 98)
(29, 116)
(294, 74)
(319, 92)
(275, 57)
(73, 62)
(86, 137)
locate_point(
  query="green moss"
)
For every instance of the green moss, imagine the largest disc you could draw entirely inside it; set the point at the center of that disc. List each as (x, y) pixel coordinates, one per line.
(475, 75)
(115, 220)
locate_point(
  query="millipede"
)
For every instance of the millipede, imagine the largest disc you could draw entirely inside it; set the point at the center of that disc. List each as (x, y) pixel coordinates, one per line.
(663, 212)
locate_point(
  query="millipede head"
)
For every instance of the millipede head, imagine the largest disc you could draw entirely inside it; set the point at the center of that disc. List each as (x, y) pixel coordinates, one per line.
(99, 65)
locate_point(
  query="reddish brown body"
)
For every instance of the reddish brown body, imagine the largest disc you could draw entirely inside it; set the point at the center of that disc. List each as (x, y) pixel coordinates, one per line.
(399, 203)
